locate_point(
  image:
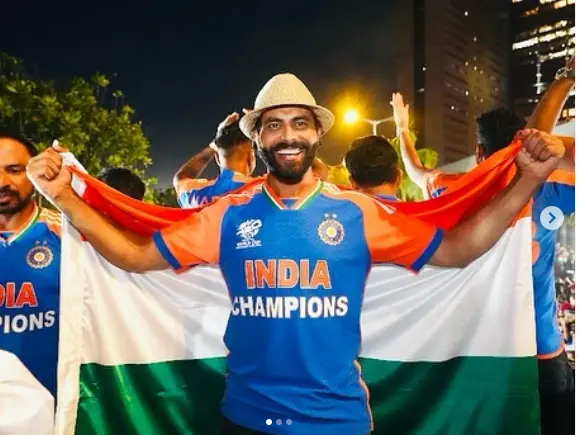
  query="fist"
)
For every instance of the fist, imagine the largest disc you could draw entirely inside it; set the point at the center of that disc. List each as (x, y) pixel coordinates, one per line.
(48, 174)
(540, 154)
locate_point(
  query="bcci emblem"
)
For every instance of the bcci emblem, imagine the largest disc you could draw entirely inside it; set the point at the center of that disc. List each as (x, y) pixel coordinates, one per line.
(39, 257)
(331, 231)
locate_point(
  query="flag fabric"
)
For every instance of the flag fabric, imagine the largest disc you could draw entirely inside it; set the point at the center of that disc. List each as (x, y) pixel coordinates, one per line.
(26, 405)
(447, 351)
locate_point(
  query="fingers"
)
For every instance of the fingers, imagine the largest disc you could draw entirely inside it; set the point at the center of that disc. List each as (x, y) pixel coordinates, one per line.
(540, 145)
(46, 165)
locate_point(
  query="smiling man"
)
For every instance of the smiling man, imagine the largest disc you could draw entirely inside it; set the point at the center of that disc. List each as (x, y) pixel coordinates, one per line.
(295, 254)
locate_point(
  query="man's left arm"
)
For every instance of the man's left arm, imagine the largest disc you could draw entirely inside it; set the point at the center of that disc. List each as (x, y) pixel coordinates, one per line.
(477, 234)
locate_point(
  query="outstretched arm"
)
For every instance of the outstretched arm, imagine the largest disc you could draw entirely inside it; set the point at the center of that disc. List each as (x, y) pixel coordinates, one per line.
(476, 235)
(124, 249)
(414, 168)
(548, 111)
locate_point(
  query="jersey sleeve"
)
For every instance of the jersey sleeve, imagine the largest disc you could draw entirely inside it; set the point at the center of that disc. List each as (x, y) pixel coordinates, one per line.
(432, 184)
(396, 238)
(559, 191)
(437, 182)
(185, 189)
(194, 240)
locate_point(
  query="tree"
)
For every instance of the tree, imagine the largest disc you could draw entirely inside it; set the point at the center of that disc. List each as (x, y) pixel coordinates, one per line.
(166, 197)
(88, 117)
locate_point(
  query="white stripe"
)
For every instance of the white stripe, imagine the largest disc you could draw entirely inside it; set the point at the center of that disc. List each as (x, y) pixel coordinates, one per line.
(435, 315)
(485, 309)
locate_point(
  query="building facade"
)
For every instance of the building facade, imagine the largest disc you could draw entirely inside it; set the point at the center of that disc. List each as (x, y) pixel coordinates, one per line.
(543, 41)
(457, 68)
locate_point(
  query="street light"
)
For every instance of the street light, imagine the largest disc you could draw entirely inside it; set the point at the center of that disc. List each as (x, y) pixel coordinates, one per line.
(351, 116)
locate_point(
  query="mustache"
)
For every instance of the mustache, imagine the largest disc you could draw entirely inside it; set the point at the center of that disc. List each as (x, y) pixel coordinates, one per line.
(8, 191)
(301, 145)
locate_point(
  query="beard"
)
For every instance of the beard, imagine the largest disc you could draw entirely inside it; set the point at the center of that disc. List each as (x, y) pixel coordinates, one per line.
(15, 204)
(289, 172)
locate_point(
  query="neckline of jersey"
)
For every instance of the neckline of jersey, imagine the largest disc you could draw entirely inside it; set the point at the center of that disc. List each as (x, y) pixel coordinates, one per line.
(24, 228)
(300, 202)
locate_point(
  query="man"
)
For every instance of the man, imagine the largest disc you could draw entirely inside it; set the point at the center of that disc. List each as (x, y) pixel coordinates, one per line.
(496, 130)
(306, 246)
(124, 181)
(235, 157)
(373, 166)
(29, 266)
(232, 151)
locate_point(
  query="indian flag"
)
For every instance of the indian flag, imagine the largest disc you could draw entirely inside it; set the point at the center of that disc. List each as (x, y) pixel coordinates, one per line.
(447, 351)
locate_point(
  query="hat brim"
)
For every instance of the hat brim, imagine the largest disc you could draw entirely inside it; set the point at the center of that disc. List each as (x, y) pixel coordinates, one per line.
(324, 116)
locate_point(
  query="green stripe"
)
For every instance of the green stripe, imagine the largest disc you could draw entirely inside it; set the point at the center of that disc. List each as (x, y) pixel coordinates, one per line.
(16, 236)
(463, 396)
(308, 198)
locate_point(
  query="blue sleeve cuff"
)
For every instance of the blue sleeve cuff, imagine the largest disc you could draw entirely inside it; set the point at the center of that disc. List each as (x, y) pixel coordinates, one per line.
(429, 251)
(164, 250)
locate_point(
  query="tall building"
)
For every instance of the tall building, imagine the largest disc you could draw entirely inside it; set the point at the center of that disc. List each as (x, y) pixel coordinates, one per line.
(543, 41)
(457, 67)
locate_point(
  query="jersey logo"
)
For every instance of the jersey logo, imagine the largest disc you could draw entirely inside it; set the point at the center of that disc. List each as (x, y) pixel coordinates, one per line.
(247, 232)
(39, 257)
(331, 231)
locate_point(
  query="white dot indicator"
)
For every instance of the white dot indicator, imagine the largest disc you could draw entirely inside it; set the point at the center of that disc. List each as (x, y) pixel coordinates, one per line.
(278, 421)
(268, 422)
(289, 422)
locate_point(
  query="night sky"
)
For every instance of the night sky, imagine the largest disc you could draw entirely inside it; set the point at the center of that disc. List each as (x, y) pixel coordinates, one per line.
(184, 68)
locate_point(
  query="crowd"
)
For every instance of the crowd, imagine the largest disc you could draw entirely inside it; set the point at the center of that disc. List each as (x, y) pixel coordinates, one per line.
(565, 288)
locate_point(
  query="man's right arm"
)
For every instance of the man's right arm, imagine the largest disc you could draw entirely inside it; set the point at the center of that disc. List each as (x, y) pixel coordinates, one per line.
(192, 241)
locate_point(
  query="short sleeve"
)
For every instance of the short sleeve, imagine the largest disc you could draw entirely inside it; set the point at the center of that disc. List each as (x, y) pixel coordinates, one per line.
(438, 182)
(186, 189)
(559, 191)
(396, 238)
(194, 240)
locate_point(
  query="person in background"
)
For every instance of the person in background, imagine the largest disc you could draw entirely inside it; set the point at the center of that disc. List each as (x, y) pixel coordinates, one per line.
(29, 267)
(373, 166)
(496, 130)
(233, 153)
(124, 181)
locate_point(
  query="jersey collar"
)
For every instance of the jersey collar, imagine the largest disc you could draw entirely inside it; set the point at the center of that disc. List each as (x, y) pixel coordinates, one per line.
(25, 227)
(300, 202)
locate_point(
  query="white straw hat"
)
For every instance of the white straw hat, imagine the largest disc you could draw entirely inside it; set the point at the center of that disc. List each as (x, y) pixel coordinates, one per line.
(284, 90)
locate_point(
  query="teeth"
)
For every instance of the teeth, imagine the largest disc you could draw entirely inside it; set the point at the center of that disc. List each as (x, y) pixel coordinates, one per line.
(289, 151)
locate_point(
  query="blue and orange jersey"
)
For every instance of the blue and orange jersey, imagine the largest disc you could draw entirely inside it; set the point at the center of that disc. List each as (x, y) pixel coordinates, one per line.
(558, 191)
(29, 294)
(388, 197)
(296, 271)
(196, 192)
(437, 182)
